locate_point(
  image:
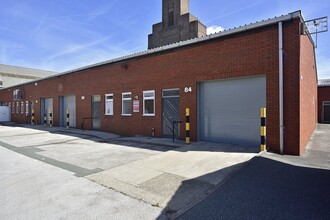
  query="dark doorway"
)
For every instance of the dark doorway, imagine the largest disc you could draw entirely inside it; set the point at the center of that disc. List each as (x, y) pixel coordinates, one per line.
(96, 112)
(171, 109)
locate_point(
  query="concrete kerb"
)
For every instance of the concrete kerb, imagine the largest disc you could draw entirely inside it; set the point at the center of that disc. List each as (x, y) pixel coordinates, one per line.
(114, 138)
(105, 136)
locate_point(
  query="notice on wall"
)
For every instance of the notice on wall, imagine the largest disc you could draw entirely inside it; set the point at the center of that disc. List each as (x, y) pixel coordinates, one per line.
(136, 106)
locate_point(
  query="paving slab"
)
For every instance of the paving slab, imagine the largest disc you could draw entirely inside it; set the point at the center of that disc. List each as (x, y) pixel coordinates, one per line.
(174, 179)
(131, 174)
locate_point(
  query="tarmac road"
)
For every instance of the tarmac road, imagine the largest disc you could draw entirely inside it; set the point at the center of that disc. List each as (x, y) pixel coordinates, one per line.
(275, 187)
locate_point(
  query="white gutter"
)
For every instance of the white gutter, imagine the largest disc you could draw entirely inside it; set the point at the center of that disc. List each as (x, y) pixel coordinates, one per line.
(280, 53)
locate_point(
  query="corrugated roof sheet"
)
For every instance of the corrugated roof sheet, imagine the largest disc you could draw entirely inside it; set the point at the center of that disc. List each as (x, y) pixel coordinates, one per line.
(12, 81)
(324, 82)
(258, 24)
(25, 71)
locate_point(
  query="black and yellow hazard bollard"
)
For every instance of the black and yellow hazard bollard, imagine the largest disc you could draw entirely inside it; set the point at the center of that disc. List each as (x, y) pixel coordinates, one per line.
(263, 129)
(67, 119)
(50, 118)
(45, 119)
(187, 126)
(32, 117)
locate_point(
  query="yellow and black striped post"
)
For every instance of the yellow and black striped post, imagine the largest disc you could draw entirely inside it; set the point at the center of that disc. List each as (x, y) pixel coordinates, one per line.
(263, 129)
(187, 126)
(32, 117)
(45, 118)
(50, 118)
(67, 119)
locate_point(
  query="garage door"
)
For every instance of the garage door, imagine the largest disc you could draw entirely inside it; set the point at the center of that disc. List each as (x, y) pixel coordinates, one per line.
(229, 110)
(68, 103)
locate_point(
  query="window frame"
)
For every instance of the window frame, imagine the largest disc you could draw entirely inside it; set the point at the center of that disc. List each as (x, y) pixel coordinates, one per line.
(17, 107)
(149, 98)
(122, 103)
(22, 107)
(105, 104)
(26, 107)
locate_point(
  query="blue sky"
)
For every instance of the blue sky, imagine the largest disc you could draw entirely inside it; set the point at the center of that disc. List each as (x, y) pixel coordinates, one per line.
(66, 34)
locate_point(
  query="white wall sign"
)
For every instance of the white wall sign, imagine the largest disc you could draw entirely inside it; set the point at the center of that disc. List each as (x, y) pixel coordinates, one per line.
(187, 89)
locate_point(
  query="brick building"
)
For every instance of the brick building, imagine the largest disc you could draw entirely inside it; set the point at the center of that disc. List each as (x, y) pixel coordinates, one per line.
(223, 78)
(324, 101)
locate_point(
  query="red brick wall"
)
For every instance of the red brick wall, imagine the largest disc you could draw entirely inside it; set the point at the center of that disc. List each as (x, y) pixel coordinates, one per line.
(250, 53)
(308, 91)
(323, 95)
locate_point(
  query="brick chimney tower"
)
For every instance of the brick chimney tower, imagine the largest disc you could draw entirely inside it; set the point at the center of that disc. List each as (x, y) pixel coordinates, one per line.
(177, 25)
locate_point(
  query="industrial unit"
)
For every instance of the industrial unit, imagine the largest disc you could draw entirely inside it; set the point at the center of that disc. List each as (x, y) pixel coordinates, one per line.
(14, 75)
(324, 101)
(224, 79)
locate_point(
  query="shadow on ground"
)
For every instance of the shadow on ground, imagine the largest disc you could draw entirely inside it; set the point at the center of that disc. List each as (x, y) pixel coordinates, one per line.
(157, 144)
(264, 189)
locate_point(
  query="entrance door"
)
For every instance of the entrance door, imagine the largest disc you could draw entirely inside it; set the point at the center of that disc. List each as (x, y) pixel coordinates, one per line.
(171, 109)
(31, 106)
(68, 103)
(96, 112)
(45, 108)
(326, 112)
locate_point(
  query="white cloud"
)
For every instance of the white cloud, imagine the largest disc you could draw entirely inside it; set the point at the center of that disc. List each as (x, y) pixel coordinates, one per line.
(214, 29)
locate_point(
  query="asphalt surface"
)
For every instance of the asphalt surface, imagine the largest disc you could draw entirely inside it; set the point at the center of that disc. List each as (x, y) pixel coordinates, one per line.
(275, 187)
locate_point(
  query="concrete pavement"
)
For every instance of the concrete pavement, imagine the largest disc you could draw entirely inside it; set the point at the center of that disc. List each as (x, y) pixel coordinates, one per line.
(150, 170)
(31, 189)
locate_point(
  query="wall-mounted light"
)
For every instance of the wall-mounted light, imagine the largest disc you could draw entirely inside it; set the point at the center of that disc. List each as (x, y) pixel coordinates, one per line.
(35, 84)
(136, 97)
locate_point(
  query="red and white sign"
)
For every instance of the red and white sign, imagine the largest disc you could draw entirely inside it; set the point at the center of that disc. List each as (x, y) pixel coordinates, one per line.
(136, 106)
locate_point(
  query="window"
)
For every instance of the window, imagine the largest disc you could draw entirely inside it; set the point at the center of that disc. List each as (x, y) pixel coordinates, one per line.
(13, 108)
(170, 15)
(18, 94)
(109, 104)
(17, 107)
(22, 107)
(171, 93)
(149, 103)
(127, 104)
(27, 107)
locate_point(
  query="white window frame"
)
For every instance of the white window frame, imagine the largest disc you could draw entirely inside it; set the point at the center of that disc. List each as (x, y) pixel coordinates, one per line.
(107, 101)
(149, 98)
(122, 103)
(27, 107)
(17, 107)
(13, 108)
(22, 107)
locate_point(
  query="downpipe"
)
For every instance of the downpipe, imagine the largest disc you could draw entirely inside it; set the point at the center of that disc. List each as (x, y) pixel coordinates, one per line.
(280, 53)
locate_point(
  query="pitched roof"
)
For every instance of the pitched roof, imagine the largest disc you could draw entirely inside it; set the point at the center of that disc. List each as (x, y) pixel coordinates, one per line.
(246, 27)
(324, 82)
(22, 71)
